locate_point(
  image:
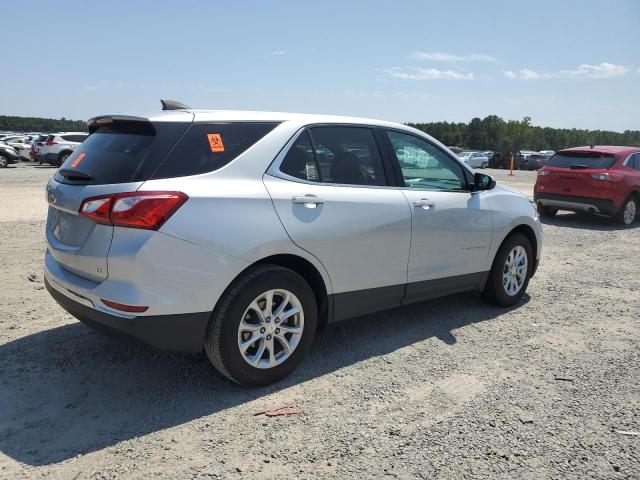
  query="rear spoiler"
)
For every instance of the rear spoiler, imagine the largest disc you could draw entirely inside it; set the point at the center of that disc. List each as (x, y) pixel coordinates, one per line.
(125, 123)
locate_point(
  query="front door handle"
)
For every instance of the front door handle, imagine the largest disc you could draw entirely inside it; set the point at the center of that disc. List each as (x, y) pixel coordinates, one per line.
(309, 201)
(423, 203)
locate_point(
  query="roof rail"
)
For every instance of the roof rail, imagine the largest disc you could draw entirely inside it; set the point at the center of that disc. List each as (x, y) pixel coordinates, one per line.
(173, 105)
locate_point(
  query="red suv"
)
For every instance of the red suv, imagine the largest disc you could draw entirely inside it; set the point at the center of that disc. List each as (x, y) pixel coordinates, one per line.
(591, 179)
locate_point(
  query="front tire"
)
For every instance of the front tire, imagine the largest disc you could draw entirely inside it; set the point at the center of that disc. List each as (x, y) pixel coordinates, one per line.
(263, 326)
(4, 161)
(484, 165)
(510, 272)
(627, 214)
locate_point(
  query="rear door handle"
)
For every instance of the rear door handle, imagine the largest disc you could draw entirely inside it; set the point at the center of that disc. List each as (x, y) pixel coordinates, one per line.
(423, 203)
(309, 201)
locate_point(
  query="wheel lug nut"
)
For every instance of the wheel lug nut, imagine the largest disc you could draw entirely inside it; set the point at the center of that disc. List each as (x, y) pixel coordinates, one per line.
(267, 319)
(268, 337)
(277, 330)
(262, 330)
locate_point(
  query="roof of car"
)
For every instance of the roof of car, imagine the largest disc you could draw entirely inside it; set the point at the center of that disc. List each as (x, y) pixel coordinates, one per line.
(69, 133)
(610, 149)
(256, 116)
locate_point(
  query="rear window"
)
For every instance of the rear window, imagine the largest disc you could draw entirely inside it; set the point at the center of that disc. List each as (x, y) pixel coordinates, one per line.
(121, 153)
(582, 160)
(208, 147)
(133, 151)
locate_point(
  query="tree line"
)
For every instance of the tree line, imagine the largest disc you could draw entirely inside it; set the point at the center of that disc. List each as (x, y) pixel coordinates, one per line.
(494, 133)
(489, 133)
(44, 125)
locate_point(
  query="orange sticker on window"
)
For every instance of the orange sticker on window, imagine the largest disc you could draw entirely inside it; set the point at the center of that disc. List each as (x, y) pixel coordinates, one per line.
(215, 142)
(78, 159)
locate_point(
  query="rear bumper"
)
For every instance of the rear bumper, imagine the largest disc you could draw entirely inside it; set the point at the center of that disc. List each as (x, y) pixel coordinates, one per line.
(175, 333)
(576, 204)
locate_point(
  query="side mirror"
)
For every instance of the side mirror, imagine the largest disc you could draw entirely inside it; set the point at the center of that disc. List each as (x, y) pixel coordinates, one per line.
(483, 182)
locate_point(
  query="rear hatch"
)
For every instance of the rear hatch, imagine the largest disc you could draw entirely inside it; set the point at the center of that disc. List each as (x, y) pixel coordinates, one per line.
(118, 156)
(575, 173)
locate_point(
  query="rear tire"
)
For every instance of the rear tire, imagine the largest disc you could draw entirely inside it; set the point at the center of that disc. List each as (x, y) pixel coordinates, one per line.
(628, 212)
(484, 165)
(236, 320)
(548, 212)
(510, 272)
(63, 157)
(4, 161)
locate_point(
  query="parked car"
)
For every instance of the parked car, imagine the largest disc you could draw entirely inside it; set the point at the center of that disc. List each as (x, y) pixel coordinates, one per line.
(244, 231)
(547, 153)
(36, 143)
(475, 159)
(598, 179)
(534, 161)
(8, 155)
(59, 146)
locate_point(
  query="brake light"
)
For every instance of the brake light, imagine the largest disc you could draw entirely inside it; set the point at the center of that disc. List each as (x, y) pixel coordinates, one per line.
(51, 142)
(543, 173)
(146, 210)
(612, 177)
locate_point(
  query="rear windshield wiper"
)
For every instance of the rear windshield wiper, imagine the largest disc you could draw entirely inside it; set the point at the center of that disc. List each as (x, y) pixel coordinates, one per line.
(578, 166)
(74, 174)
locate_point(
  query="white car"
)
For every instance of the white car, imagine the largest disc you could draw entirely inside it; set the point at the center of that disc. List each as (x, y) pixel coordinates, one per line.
(475, 159)
(59, 146)
(242, 232)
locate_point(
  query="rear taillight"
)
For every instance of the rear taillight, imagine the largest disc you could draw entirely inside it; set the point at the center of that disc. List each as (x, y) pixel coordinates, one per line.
(543, 173)
(611, 177)
(147, 210)
(51, 142)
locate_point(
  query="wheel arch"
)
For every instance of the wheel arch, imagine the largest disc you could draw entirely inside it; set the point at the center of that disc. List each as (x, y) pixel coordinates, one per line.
(306, 270)
(528, 232)
(312, 275)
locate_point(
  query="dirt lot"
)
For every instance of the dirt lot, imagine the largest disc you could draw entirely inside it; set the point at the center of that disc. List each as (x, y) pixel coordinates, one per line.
(451, 388)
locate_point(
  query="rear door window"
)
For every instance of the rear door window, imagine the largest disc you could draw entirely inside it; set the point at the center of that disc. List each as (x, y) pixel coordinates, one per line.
(347, 155)
(208, 147)
(300, 160)
(582, 160)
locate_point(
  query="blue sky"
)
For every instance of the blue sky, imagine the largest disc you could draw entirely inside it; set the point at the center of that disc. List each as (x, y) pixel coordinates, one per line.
(565, 63)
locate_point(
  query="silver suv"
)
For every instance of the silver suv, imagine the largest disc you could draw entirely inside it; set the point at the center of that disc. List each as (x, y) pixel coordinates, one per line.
(244, 232)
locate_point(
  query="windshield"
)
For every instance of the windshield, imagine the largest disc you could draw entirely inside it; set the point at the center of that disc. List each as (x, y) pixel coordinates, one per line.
(577, 160)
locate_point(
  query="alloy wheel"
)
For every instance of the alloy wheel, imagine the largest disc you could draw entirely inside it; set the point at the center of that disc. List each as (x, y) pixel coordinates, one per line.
(514, 272)
(629, 212)
(271, 328)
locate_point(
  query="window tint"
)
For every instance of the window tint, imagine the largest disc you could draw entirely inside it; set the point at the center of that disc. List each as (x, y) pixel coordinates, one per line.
(300, 161)
(424, 165)
(208, 147)
(581, 160)
(636, 161)
(121, 153)
(348, 155)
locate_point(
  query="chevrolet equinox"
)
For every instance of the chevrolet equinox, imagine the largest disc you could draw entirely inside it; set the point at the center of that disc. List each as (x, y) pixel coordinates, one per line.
(244, 232)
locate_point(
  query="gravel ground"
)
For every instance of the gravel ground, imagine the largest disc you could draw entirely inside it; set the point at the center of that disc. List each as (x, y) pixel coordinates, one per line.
(451, 388)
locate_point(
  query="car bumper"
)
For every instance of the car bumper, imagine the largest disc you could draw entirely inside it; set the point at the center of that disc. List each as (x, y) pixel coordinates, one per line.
(574, 203)
(175, 333)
